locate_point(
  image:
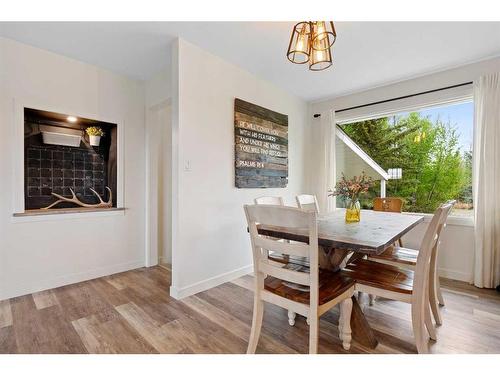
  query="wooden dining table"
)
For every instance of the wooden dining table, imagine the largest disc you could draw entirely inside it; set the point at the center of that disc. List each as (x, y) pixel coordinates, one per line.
(337, 239)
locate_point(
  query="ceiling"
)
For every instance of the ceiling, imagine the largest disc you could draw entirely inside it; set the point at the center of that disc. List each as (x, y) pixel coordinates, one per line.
(366, 54)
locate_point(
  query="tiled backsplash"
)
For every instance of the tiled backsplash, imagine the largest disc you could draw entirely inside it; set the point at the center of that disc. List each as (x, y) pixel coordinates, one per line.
(57, 169)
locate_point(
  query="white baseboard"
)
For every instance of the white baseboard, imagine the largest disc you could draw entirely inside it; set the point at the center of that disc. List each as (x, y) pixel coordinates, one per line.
(164, 260)
(38, 286)
(209, 283)
(454, 275)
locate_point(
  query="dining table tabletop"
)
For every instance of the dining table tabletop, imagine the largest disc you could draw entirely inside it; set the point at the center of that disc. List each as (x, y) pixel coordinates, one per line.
(337, 239)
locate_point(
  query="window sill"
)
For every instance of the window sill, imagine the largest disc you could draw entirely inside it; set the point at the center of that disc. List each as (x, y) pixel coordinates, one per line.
(461, 221)
(65, 214)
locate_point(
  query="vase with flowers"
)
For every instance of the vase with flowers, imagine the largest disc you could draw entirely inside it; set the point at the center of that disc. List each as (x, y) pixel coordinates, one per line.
(95, 133)
(351, 190)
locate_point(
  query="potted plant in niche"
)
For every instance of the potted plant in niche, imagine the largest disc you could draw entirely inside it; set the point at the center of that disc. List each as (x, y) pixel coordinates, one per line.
(351, 190)
(95, 133)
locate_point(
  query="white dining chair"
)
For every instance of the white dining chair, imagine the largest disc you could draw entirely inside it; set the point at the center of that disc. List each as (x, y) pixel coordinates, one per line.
(276, 201)
(295, 287)
(276, 257)
(307, 202)
(404, 285)
(407, 258)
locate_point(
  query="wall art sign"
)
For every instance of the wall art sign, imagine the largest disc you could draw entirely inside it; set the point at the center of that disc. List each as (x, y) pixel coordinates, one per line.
(261, 146)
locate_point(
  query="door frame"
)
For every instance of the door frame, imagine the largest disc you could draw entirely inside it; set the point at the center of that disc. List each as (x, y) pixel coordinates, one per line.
(151, 182)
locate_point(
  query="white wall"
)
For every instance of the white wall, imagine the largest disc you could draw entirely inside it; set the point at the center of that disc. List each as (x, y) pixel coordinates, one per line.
(456, 254)
(350, 163)
(158, 88)
(158, 225)
(212, 244)
(36, 255)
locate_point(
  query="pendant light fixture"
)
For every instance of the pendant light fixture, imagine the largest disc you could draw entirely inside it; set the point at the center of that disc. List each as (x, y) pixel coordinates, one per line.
(300, 43)
(311, 42)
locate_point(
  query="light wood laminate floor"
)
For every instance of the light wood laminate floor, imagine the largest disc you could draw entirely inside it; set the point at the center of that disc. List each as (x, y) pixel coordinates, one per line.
(131, 312)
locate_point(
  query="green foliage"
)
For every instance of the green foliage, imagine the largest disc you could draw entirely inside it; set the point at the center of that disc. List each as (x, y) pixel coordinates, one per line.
(465, 195)
(434, 170)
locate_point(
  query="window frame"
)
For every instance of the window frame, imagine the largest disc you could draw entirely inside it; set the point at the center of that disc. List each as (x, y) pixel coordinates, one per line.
(456, 95)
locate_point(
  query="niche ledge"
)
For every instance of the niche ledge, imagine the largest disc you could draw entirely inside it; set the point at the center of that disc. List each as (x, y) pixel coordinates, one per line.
(63, 213)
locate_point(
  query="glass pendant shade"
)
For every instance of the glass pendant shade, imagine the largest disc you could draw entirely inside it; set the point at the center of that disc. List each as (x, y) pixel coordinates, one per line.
(321, 57)
(300, 43)
(323, 31)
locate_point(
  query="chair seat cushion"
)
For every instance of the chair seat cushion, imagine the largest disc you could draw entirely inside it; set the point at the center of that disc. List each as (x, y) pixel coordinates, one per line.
(398, 254)
(379, 275)
(331, 285)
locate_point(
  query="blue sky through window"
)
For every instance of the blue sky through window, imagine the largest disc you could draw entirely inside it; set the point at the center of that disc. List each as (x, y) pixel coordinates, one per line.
(461, 116)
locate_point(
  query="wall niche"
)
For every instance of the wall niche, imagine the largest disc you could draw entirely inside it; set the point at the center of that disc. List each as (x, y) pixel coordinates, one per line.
(59, 158)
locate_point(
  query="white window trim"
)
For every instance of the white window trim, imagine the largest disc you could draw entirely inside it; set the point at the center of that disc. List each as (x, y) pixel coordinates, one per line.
(17, 152)
(415, 103)
(456, 95)
(359, 151)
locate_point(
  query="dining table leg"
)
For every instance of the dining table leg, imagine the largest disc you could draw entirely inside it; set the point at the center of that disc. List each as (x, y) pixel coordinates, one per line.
(332, 259)
(355, 256)
(361, 330)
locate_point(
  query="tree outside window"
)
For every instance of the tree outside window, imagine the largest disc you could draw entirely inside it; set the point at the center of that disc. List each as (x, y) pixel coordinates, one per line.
(433, 148)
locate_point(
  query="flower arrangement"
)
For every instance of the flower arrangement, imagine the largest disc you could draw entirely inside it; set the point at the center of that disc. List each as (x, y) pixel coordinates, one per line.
(94, 131)
(352, 189)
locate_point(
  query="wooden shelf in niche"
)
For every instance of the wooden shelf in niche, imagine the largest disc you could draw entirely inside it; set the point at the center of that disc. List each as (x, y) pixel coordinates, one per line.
(58, 211)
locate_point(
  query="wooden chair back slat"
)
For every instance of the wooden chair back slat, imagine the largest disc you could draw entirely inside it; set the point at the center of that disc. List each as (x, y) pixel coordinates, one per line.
(269, 200)
(448, 211)
(307, 202)
(273, 201)
(284, 274)
(295, 249)
(388, 204)
(278, 216)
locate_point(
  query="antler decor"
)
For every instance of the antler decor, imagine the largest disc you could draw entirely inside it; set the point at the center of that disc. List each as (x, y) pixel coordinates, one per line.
(75, 200)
